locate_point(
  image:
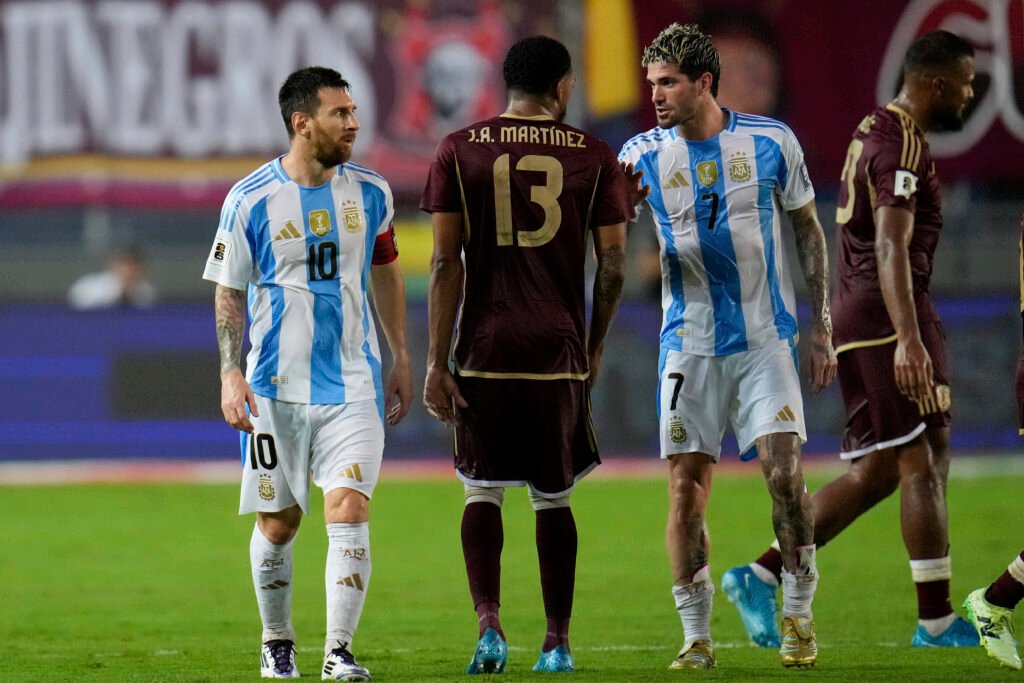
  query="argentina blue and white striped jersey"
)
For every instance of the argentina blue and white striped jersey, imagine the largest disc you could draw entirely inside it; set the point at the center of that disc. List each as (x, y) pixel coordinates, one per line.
(304, 254)
(717, 206)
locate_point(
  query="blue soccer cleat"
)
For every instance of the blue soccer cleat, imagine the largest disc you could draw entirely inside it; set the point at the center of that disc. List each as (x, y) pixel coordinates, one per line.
(961, 633)
(558, 660)
(490, 655)
(755, 601)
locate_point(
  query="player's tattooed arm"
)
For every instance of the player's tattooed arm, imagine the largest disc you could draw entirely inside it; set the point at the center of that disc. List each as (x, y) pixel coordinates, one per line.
(229, 310)
(610, 248)
(812, 250)
(235, 393)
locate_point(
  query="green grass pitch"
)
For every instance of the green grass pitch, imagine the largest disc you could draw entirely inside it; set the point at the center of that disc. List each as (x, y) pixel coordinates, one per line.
(151, 583)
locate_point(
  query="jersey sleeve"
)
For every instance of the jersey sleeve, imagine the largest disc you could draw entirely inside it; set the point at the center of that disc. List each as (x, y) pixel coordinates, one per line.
(230, 261)
(794, 187)
(387, 221)
(892, 167)
(441, 193)
(611, 202)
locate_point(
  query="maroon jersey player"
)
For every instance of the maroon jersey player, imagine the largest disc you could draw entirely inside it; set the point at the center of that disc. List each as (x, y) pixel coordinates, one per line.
(518, 196)
(893, 368)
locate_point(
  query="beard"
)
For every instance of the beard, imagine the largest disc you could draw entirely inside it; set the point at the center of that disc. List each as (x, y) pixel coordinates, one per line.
(334, 156)
(950, 121)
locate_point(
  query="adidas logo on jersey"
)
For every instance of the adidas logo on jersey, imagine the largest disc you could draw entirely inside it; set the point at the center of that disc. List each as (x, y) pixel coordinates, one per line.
(352, 472)
(353, 581)
(289, 232)
(676, 181)
(785, 415)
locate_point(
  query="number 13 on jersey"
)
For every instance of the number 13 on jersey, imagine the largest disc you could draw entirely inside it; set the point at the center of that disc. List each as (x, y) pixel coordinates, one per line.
(545, 196)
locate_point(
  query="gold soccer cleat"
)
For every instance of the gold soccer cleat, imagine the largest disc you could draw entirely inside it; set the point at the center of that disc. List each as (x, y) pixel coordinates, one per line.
(696, 655)
(799, 646)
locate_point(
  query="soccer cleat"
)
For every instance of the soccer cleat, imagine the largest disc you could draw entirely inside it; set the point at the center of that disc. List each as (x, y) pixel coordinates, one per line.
(799, 643)
(558, 660)
(698, 654)
(277, 659)
(995, 627)
(340, 665)
(490, 655)
(755, 601)
(961, 633)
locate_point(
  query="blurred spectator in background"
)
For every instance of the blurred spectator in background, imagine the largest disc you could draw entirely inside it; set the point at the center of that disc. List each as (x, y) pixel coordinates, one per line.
(751, 62)
(123, 283)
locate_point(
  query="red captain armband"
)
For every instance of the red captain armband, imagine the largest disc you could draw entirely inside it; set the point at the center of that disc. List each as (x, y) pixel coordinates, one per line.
(385, 248)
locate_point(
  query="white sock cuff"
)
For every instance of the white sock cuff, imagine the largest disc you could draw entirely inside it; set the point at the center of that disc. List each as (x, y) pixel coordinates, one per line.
(1016, 569)
(349, 531)
(938, 569)
(775, 544)
(764, 574)
(539, 502)
(264, 545)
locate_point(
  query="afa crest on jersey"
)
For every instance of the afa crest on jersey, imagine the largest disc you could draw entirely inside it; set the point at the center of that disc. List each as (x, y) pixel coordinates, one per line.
(352, 217)
(739, 168)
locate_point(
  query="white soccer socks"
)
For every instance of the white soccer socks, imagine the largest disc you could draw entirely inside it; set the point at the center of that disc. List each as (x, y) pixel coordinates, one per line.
(693, 602)
(798, 587)
(272, 578)
(347, 577)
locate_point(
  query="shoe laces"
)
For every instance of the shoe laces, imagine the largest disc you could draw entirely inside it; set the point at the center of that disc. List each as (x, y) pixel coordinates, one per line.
(344, 655)
(281, 652)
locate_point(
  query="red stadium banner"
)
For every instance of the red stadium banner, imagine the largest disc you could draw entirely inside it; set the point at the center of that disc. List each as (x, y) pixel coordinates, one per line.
(166, 103)
(832, 61)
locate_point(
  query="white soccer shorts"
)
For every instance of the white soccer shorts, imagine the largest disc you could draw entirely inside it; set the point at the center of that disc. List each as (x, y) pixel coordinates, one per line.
(340, 445)
(757, 391)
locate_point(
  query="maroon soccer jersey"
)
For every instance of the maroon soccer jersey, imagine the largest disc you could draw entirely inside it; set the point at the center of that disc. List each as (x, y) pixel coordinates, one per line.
(529, 191)
(888, 163)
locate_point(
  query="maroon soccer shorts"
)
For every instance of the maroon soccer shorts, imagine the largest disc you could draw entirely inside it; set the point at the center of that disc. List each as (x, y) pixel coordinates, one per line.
(519, 431)
(878, 416)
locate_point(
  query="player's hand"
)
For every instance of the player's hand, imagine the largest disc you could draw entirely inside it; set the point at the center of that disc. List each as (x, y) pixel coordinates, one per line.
(913, 367)
(634, 178)
(398, 391)
(441, 395)
(594, 360)
(235, 395)
(823, 357)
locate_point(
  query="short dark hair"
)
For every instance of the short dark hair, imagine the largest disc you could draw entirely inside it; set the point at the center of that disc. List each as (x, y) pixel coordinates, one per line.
(689, 49)
(534, 65)
(300, 92)
(935, 50)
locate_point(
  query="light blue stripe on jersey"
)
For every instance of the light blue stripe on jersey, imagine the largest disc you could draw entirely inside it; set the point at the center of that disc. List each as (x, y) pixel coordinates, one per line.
(325, 380)
(662, 357)
(769, 159)
(674, 315)
(266, 366)
(717, 251)
(259, 179)
(375, 209)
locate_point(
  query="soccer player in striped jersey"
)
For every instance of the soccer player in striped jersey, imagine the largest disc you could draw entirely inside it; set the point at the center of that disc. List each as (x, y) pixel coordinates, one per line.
(718, 183)
(893, 367)
(300, 240)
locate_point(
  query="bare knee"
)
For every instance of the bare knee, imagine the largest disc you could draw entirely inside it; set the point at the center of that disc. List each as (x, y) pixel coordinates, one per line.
(344, 505)
(877, 475)
(689, 482)
(780, 463)
(279, 527)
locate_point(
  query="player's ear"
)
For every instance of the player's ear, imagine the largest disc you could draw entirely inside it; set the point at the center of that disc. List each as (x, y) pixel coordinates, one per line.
(563, 89)
(300, 122)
